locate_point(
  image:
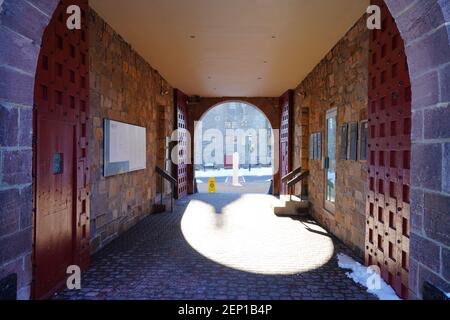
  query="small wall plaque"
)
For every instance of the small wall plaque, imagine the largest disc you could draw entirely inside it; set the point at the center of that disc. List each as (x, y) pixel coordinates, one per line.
(353, 141)
(57, 163)
(344, 141)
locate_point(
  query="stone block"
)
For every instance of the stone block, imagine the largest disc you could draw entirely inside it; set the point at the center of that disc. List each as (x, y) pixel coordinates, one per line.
(26, 207)
(425, 90)
(416, 23)
(444, 82)
(22, 267)
(20, 52)
(9, 212)
(425, 252)
(437, 123)
(433, 278)
(24, 293)
(17, 167)
(25, 19)
(10, 91)
(26, 127)
(46, 6)
(437, 217)
(446, 264)
(417, 125)
(446, 169)
(9, 133)
(417, 210)
(429, 52)
(413, 277)
(426, 163)
(15, 245)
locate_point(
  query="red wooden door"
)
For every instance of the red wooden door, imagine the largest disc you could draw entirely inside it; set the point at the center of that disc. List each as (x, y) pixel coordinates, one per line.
(388, 209)
(61, 203)
(285, 137)
(183, 145)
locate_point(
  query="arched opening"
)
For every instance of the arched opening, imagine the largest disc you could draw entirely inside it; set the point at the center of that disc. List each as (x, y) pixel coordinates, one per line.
(234, 145)
(424, 27)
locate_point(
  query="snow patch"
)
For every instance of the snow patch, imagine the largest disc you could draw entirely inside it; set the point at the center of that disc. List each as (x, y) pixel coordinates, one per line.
(363, 276)
(199, 181)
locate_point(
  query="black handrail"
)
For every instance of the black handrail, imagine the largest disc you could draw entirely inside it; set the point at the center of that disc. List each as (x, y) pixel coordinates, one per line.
(291, 174)
(166, 176)
(294, 177)
(297, 179)
(173, 183)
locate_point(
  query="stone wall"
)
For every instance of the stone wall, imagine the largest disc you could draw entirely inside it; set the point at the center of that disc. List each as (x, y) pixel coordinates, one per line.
(19, 50)
(125, 88)
(338, 81)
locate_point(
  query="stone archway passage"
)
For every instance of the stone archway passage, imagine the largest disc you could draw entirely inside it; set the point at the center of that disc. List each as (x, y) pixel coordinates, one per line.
(422, 24)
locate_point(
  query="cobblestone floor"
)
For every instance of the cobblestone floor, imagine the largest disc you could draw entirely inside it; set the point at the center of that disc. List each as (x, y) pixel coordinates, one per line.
(220, 246)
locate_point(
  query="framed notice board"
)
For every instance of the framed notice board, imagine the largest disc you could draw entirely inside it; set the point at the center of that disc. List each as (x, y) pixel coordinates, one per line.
(125, 148)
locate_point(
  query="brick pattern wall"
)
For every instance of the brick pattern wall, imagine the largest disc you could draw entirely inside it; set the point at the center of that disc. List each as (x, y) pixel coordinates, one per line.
(425, 29)
(338, 81)
(19, 49)
(124, 87)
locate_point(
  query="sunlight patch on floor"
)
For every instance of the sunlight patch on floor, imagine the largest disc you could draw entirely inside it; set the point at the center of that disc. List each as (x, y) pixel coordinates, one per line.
(246, 235)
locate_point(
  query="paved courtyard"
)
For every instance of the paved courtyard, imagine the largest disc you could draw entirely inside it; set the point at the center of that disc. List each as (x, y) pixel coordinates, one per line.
(220, 246)
(255, 185)
(256, 181)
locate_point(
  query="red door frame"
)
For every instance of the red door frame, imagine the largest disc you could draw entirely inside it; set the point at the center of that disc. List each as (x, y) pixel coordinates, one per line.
(389, 161)
(181, 123)
(61, 97)
(286, 137)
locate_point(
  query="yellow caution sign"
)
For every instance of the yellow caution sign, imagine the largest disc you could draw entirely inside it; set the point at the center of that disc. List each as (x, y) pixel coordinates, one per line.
(212, 185)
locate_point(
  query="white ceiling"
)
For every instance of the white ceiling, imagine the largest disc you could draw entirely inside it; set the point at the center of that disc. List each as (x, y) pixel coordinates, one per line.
(232, 47)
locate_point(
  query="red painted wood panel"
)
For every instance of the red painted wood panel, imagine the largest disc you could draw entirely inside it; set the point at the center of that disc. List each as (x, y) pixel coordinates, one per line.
(388, 205)
(183, 143)
(286, 106)
(61, 172)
